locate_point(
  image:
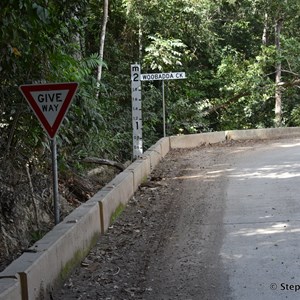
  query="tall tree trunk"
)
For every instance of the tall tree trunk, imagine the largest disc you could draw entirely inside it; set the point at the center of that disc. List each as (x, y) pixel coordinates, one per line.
(102, 42)
(140, 38)
(265, 31)
(278, 88)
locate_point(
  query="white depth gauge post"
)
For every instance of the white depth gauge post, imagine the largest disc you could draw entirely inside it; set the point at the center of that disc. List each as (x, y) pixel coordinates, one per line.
(136, 111)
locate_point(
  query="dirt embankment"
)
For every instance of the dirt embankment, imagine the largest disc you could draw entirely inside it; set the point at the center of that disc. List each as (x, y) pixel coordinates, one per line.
(26, 201)
(165, 244)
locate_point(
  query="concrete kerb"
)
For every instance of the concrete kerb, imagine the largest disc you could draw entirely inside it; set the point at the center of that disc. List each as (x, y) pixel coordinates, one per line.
(10, 289)
(265, 133)
(195, 140)
(140, 169)
(116, 195)
(155, 154)
(50, 260)
(164, 145)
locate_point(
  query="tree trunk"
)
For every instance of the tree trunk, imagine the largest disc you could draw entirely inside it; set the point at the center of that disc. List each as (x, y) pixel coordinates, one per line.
(102, 41)
(107, 162)
(278, 87)
(265, 31)
(140, 38)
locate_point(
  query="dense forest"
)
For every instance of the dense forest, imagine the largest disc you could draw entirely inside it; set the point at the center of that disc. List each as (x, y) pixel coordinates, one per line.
(241, 59)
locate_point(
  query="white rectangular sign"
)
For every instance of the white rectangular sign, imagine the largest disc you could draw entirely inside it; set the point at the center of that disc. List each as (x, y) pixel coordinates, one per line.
(136, 111)
(163, 76)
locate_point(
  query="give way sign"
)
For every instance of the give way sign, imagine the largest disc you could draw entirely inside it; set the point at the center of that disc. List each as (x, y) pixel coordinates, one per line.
(50, 102)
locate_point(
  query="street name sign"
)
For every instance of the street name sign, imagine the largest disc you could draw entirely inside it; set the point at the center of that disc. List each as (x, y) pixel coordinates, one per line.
(163, 76)
(50, 103)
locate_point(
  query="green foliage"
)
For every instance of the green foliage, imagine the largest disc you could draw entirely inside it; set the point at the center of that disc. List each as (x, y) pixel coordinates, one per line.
(230, 74)
(185, 117)
(295, 116)
(245, 90)
(152, 114)
(163, 54)
(37, 235)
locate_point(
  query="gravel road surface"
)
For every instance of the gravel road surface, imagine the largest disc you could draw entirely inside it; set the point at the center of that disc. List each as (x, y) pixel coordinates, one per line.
(214, 222)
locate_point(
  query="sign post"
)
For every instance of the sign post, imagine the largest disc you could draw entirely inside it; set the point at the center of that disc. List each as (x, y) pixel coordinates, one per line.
(55, 181)
(50, 103)
(163, 77)
(164, 107)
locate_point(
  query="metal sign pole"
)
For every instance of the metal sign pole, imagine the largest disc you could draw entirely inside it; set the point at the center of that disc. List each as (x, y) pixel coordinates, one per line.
(164, 107)
(55, 180)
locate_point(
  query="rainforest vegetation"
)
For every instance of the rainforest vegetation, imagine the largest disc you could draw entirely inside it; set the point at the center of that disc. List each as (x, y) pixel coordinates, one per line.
(241, 59)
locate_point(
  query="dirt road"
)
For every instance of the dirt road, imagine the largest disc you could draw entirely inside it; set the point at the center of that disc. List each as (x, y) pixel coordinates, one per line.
(185, 234)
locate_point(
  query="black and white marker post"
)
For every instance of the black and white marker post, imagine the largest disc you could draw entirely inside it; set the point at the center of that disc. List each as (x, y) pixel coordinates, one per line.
(137, 125)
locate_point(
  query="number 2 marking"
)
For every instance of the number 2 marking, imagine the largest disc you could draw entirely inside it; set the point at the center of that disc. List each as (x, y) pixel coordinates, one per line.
(136, 77)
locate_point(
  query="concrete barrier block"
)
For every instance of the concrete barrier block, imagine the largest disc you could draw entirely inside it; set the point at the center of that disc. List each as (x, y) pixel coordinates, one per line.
(50, 260)
(264, 133)
(195, 140)
(165, 146)
(23, 268)
(155, 155)
(10, 289)
(141, 168)
(116, 195)
(291, 131)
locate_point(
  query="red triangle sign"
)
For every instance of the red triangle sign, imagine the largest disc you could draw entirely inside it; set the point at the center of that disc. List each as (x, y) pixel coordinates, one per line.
(50, 102)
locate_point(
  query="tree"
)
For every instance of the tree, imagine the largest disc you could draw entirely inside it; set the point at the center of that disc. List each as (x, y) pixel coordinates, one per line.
(278, 71)
(282, 24)
(102, 42)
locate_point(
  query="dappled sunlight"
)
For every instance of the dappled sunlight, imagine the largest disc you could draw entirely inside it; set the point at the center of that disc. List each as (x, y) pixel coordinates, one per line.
(189, 177)
(277, 228)
(208, 175)
(220, 171)
(266, 217)
(289, 145)
(203, 174)
(231, 256)
(240, 150)
(200, 176)
(272, 172)
(262, 219)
